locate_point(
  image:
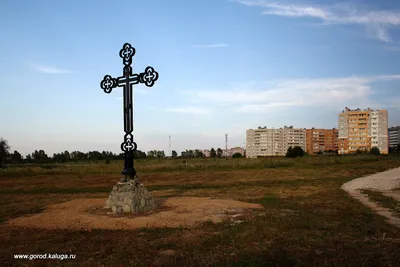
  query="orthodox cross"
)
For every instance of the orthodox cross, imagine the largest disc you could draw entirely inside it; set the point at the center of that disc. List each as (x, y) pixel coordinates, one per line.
(148, 77)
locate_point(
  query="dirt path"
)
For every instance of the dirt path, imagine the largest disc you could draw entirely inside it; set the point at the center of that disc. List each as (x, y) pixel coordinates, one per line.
(172, 212)
(384, 182)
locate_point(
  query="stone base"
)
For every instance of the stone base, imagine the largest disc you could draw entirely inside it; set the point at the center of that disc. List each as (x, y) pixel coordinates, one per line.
(130, 197)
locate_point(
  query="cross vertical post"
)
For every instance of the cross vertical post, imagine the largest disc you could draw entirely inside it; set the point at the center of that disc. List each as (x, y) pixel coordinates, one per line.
(127, 81)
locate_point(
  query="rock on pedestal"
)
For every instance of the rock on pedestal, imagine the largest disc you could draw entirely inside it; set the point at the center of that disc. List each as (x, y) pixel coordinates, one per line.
(130, 197)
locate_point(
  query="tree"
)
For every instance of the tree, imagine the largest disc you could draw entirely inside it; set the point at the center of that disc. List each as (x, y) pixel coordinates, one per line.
(28, 158)
(66, 156)
(295, 152)
(160, 154)
(174, 154)
(138, 154)
(39, 156)
(190, 153)
(219, 153)
(62, 157)
(298, 151)
(289, 152)
(361, 151)
(237, 155)
(375, 151)
(16, 157)
(213, 154)
(78, 156)
(95, 155)
(57, 157)
(4, 150)
(107, 155)
(198, 153)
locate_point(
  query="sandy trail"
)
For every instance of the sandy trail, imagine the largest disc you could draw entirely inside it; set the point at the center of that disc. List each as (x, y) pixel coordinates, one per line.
(174, 212)
(384, 182)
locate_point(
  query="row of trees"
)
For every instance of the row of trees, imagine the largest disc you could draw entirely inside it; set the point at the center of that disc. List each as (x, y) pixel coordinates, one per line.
(39, 156)
(199, 154)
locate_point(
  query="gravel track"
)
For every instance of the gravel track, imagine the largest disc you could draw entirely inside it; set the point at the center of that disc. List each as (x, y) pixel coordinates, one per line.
(381, 181)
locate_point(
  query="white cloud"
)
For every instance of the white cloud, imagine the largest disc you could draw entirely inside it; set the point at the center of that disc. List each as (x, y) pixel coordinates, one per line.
(210, 46)
(189, 110)
(324, 93)
(49, 70)
(377, 21)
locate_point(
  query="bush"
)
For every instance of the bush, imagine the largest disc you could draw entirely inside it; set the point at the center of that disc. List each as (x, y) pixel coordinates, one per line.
(375, 151)
(294, 152)
(237, 155)
(360, 152)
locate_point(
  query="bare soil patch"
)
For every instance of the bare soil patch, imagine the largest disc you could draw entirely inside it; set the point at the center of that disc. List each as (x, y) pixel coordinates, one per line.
(171, 212)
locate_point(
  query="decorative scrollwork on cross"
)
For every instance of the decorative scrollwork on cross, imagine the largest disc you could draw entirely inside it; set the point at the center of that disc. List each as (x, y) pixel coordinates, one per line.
(149, 77)
(126, 53)
(128, 144)
(108, 83)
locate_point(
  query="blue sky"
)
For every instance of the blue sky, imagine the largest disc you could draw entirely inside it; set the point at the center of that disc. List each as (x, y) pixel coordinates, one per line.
(224, 67)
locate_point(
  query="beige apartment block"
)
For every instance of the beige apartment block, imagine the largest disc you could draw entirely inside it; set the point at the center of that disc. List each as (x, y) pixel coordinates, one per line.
(264, 142)
(206, 152)
(362, 130)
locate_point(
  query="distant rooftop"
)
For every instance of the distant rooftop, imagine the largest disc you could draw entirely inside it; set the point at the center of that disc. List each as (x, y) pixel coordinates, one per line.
(346, 109)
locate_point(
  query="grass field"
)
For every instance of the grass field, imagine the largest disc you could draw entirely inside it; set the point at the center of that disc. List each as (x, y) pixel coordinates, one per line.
(308, 220)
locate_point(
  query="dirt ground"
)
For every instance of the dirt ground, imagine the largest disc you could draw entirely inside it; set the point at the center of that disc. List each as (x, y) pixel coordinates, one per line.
(171, 212)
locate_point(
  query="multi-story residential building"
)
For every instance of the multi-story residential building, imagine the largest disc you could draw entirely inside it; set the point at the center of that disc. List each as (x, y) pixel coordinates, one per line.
(362, 130)
(273, 142)
(206, 152)
(394, 137)
(320, 140)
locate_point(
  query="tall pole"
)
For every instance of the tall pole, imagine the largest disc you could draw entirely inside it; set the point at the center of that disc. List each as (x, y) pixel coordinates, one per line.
(226, 145)
(170, 151)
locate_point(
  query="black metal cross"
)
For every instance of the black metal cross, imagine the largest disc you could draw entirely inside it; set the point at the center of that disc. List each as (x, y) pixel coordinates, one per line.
(148, 77)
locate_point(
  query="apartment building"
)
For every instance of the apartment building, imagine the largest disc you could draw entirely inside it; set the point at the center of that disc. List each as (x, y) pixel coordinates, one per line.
(263, 142)
(362, 130)
(320, 140)
(394, 137)
(206, 152)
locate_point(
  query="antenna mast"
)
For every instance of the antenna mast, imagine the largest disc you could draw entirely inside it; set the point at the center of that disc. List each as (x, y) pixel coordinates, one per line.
(170, 151)
(226, 145)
